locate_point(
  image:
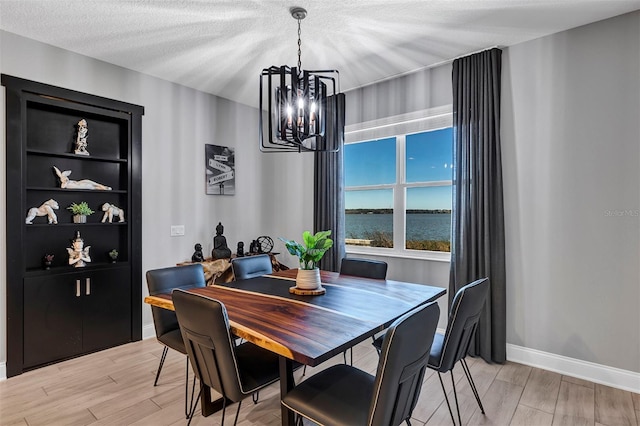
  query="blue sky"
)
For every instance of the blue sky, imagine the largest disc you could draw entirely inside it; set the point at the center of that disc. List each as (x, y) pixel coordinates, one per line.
(429, 158)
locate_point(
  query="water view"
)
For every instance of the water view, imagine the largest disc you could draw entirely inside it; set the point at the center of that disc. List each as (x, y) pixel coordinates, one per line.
(421, 228)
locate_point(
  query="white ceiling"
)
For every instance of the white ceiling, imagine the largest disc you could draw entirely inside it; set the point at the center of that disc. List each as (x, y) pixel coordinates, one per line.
(220, 46)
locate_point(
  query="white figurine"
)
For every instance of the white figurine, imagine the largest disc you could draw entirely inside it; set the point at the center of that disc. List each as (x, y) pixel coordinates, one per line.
(111, 210)
(81, 141)
(67, 183)
(78, 256)
(46, 209)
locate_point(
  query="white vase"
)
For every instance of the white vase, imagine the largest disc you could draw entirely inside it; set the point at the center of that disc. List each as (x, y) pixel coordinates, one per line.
(79, 218)
(308, 279)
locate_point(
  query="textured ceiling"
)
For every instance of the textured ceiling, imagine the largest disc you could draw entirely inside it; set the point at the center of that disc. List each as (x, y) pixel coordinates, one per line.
(220, 46)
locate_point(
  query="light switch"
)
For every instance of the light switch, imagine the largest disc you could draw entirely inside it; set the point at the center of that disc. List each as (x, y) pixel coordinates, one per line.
(177, 230)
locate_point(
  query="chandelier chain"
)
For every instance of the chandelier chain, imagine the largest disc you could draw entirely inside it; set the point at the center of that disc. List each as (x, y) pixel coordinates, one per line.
(299, 48)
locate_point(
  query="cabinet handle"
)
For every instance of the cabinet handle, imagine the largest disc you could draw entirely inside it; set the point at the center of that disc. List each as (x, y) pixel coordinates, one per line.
(77, 288)
(88, 282)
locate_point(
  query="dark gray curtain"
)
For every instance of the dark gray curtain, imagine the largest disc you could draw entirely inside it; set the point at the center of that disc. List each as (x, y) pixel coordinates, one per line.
(328, 201)
(478, 214)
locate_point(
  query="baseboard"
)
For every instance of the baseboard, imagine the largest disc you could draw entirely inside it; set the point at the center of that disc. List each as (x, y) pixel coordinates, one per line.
(3, 371)
(148, 331)
(597, 373)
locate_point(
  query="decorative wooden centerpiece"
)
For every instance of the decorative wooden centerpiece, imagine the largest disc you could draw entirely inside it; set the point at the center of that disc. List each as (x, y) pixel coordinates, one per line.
(314, 247)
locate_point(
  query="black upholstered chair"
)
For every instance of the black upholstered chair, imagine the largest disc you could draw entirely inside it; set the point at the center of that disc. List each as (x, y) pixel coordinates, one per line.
(251, 266)
(233, 371)
(345, 395)
(453, 345)
(366, 268)
(166, 324)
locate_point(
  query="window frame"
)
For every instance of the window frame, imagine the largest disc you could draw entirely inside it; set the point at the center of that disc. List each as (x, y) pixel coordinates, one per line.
(399, 127)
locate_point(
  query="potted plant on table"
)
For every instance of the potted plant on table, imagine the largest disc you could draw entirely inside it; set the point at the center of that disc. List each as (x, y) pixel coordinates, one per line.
(309, 254)
(80, 212)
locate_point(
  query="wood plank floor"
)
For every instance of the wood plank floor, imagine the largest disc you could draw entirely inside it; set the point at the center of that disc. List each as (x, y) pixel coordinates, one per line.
(115, 387)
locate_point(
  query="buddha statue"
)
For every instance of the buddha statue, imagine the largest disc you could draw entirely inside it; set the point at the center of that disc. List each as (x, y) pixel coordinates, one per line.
(220, 248)
(197, 254)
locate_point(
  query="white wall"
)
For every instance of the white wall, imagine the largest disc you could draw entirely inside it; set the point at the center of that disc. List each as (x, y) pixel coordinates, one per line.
(571, 161)
(274, 192)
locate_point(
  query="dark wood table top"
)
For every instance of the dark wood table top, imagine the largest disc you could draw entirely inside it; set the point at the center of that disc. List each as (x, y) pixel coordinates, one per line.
(311, 329)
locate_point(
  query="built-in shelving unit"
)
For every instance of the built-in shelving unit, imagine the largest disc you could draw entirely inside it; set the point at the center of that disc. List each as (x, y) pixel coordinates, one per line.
(63, 311)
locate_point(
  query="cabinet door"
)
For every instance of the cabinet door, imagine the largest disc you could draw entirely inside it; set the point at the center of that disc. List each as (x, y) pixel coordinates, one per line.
(106, 309)
(52, 319)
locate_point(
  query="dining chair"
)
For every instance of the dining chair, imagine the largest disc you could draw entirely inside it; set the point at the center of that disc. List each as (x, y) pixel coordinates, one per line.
(234, 371)
(165, 321)
(251, 266)
(365, 268)
(345, 395)
(453, 345)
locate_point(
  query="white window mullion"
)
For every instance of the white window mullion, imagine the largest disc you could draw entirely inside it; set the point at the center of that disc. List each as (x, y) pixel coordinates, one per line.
(399, 196)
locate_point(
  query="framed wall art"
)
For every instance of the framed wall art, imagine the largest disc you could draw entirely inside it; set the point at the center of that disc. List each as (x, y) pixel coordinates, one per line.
(220, 170)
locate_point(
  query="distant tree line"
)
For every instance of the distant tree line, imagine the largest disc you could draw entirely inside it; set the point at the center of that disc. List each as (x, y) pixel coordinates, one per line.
(390, 211)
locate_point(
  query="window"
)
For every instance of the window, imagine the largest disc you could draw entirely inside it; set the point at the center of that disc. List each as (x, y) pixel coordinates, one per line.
(398, 193)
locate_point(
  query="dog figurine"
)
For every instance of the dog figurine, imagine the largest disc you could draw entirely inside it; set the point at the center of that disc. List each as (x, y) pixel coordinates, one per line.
(46, 209)
(111, 210)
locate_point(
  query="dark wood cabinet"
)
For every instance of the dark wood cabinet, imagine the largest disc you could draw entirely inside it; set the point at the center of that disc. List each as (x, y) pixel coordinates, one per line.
(64, 311)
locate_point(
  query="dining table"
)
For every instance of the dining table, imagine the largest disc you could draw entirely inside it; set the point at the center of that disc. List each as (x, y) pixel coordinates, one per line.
(268, 311)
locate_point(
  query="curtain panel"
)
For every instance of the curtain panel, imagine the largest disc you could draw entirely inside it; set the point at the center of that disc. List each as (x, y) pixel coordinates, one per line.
(478, 243)
(328, 200)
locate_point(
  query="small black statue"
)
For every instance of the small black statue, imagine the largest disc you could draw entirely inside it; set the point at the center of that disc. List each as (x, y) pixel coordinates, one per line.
(220, 248)
(197, 254)
(240, 249)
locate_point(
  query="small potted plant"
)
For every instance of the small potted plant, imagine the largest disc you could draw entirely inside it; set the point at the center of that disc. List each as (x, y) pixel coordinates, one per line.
(80, 212)
(309, 254)
(113, 254)
(47, 260)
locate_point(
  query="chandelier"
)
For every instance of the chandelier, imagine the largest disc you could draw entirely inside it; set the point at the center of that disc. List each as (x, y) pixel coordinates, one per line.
(302, 106)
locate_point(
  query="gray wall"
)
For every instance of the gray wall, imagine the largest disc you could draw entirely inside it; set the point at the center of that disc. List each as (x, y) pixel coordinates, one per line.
(571, 161)
(571, 169)
(274, 193)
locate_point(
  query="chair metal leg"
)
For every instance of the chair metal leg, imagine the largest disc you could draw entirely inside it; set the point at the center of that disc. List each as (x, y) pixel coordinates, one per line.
(467, 372)
(444, 391)
(235, 422)
(193, 408)
(455, 395)
(304, 370)
(164, 355)
(188, 403)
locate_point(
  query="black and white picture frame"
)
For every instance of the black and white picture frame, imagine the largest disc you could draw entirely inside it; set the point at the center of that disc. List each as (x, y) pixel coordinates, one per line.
(220, 170)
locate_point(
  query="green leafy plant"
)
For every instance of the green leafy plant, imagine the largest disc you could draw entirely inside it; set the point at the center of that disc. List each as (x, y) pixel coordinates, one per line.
(113, 254)
(81, 209)
(314, 247)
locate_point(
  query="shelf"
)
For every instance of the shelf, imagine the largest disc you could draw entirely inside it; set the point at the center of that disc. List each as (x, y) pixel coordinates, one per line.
(81, 309)
(113, 191)
(75, 156)
(82, 225)
(65, 269)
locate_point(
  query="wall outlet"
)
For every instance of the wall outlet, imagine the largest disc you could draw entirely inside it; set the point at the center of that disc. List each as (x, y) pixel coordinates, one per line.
(177, 230)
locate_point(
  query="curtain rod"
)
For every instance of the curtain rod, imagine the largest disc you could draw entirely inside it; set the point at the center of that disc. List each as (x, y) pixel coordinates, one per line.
(426, 67)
